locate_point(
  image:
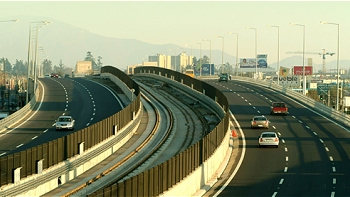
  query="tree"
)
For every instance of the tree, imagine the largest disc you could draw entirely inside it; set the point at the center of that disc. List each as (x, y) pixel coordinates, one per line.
(47, 67)
(90, 57)
(19, 69)
(59, 69)
(99, 63)
(313, 94)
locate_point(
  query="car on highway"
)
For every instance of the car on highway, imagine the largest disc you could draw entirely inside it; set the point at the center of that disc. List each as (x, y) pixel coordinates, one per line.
(269, 139)
(64, 122)
(223, 77)
(54, 75)
(260, 122)
(278, 108)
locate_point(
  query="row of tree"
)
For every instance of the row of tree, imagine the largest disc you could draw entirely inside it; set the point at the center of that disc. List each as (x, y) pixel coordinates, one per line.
(20, 68)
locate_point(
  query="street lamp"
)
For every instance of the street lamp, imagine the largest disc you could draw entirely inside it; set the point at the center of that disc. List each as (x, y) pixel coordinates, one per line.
(236, 53)
(278, 52)
(222, 55)
(200, 58)
(324, 22)
(304, 78)
(256, 47)
(29, 51)
(210, 55)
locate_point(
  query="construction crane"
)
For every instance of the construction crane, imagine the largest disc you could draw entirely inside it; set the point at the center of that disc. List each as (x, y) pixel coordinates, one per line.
(316, 53)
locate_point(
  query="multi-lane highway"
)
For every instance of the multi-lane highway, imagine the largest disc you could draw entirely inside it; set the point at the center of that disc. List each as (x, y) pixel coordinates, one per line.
(312, 159)
(86, 101)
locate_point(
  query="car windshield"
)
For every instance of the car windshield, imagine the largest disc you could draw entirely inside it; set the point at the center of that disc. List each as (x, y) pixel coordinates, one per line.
(64, 119)
(268, 135)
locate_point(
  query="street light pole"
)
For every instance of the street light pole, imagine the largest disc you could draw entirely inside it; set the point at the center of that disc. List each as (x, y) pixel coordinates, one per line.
(222, 51)
(29, 60)
(256, 49)
(210, 55)
(200, 58)
(236, 53)
(278, 52)
(337, 104)
(304, 77)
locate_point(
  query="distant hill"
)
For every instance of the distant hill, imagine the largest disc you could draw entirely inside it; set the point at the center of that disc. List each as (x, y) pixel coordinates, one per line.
(70, 44)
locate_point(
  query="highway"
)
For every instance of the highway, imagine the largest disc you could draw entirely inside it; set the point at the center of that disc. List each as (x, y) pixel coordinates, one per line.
(86, 101)
(312, 159)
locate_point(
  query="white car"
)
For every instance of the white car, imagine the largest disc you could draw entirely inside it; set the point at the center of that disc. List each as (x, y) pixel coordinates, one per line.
(269, 139)
(65, 122)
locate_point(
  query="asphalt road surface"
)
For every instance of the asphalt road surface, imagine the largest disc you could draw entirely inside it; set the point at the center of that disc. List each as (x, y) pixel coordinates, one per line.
(86, 101)
(313, 156)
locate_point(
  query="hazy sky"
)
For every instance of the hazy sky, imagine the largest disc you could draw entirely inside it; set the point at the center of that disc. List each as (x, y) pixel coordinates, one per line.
(186, 22)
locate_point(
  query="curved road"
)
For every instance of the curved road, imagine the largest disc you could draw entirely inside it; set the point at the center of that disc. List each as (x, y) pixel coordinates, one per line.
(87, 101)
(313, 157)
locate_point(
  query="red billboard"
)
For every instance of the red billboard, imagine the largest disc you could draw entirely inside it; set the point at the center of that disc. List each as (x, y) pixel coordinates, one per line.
(298, 70)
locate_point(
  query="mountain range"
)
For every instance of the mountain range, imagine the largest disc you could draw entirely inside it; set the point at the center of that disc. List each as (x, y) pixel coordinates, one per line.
(62, 41)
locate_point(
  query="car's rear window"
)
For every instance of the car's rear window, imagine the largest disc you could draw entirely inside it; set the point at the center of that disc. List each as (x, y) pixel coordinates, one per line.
(259, 118)
(279, 105)
(268, 135)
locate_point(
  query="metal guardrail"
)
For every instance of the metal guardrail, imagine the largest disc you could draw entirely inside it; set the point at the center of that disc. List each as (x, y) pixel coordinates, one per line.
(317, 106)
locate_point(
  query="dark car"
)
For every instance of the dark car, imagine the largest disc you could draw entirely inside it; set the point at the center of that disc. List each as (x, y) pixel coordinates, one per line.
(66, 76)
(223, 77)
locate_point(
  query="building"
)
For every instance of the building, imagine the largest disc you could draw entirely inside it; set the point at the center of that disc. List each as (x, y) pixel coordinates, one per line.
(162, 61)
(130, 69)
(178, 62)
(83, 68)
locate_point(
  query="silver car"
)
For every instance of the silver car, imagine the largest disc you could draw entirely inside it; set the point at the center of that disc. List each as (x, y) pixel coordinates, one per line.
(65, 122)
(260, 122)
(269, 139)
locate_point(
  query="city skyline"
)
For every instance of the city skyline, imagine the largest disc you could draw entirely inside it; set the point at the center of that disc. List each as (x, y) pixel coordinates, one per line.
(186, 23)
